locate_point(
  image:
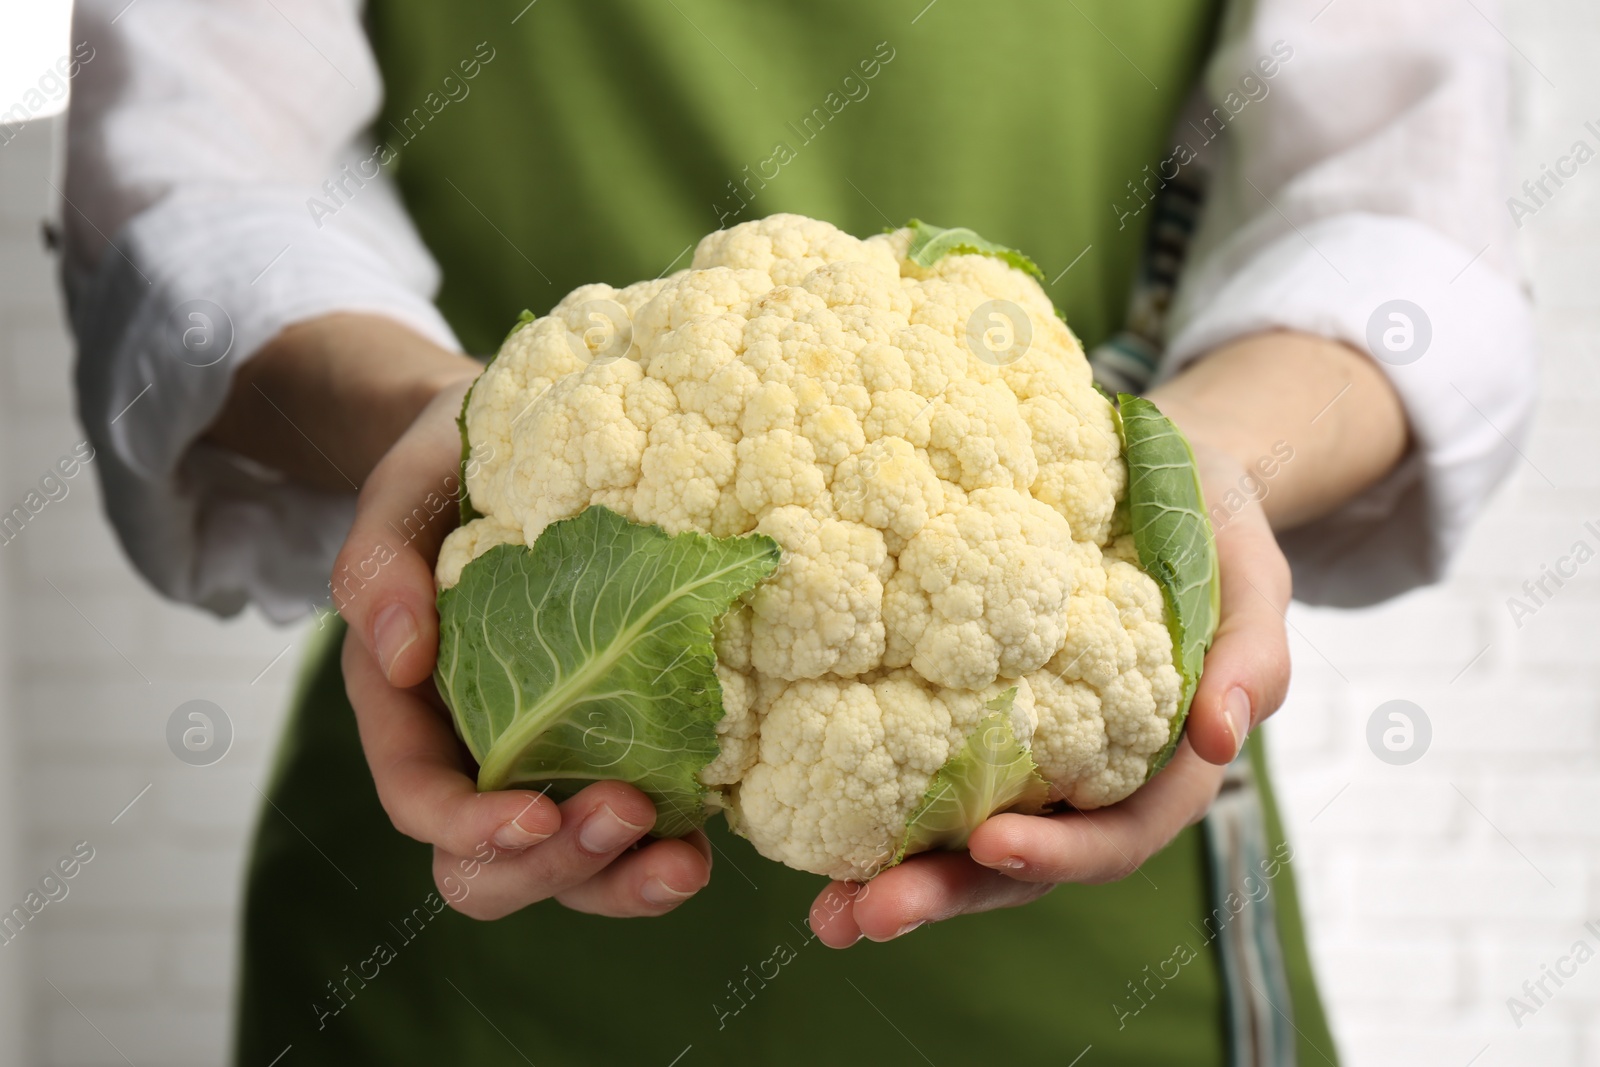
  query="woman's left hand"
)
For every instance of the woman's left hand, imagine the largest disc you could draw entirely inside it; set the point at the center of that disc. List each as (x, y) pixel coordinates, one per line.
(1013, 859)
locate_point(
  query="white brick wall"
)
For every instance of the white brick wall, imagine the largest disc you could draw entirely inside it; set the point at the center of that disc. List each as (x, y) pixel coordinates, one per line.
(1427, 914)
(142, 944)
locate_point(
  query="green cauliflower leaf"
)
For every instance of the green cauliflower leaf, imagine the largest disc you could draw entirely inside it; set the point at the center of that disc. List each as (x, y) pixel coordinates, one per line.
(589, 657)
(993, 772)
(1167, 513)
(930, 244)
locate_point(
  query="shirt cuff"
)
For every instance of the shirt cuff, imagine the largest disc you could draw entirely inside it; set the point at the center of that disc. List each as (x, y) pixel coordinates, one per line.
(1460, 355)
(194, 286)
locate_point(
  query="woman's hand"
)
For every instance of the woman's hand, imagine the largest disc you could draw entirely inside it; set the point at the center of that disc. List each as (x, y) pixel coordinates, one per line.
(1343, 428)
(577, 851)
(359, 400)
(1013, 859)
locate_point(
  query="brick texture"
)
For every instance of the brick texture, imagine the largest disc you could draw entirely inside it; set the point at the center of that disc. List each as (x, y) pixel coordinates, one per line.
(92, 663)
(1434, 890)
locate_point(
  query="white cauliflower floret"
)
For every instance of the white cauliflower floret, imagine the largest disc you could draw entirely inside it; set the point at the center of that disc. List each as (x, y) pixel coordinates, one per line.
(591, 324)
(945, 517)
(978, 438)
(574, 447)
(826, 789)
(466, 543)
(684, 469)
(736, 730)
(821, 613)
(1081, 472)
(889, 488)
(789, 247)
(980, 592)
(1107, 698)
(843, 764)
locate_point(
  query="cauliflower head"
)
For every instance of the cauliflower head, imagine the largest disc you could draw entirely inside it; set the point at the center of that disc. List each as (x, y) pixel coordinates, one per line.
(887, 512)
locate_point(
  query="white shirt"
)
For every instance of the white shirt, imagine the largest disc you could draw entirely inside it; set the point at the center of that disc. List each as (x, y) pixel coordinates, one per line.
(1372, 170)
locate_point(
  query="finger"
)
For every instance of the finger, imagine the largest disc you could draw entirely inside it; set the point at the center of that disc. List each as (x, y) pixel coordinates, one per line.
(597, 825)
(926, 888)
(1104, 845)
(1246, 671)
(651, 881)
(832, 917)
(383, 576)
(416, 766)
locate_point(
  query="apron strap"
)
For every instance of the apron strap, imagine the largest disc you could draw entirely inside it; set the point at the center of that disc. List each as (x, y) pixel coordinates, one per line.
(1244, 925)
(1243, 920)
(1127, 361)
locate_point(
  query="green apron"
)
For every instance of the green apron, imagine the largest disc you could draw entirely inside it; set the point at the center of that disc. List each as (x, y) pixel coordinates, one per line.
(597, 140)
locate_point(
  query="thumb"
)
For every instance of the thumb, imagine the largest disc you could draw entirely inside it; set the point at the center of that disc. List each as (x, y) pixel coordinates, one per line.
(1246, 674)
(383, 577)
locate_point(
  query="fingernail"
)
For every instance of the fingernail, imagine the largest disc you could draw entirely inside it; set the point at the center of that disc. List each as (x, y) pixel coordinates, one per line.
(858, 936)
(1237, 707)
(393, 631)
(1009, 863)
(604, 831)
(907, 928)
(513, 838)
(655, 891)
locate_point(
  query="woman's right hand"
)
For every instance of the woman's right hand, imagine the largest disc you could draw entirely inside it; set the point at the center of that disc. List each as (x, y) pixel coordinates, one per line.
(493, 853)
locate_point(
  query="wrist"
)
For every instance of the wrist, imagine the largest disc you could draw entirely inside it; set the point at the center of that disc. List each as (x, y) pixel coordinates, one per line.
(324, 399)
(377, 371)
(1312, 420)
(417, 383)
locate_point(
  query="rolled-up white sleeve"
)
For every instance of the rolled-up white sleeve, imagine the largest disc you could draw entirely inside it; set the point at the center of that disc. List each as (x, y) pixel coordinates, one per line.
(199, 221)
(1373, 170)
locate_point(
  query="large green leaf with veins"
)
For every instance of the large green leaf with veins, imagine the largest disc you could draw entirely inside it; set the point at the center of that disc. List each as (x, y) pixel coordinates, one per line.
(1167, 513)
(930, 244)
(993, 772)
(589, 656)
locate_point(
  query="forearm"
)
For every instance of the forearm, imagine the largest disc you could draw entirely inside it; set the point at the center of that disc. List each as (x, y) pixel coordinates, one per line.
(1319, 416)
(323, 401)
